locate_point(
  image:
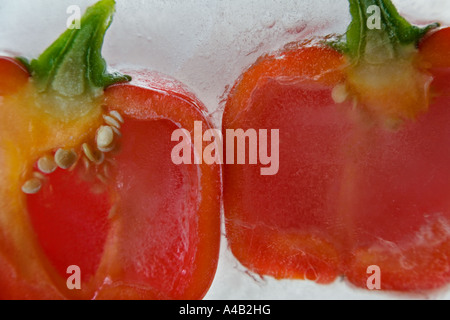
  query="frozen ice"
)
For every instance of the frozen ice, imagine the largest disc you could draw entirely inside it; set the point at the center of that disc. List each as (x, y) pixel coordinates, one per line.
(206, 44)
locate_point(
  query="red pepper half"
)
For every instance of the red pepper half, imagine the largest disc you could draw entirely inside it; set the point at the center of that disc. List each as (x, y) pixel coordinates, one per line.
(92, 206)
(364, 177)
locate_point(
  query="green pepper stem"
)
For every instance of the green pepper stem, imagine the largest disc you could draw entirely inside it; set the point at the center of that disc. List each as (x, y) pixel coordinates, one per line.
(378, 32)
(73, 65)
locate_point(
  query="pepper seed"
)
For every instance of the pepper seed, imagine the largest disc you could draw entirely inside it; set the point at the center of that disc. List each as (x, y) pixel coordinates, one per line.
(117, 116)
(32, 186)
(339, 93)
(111, 122)
(105, 138)
(65, 158)
(117, 132)
(47, 164)
(94, 156)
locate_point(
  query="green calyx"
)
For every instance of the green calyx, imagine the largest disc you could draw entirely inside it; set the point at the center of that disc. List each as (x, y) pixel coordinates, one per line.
(73, 65)
(379, 33)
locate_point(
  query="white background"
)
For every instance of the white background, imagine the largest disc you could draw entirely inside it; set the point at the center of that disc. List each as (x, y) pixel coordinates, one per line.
(207, 44)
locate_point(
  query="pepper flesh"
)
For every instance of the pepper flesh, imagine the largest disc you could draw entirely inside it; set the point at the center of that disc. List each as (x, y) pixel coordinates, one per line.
(351, 192)
(57, 229)
(137, 225)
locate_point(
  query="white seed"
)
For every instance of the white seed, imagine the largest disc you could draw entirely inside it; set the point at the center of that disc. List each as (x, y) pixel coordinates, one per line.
(106, 150)
(93, 156)
(65, 159)
(86, 163)
(340, 93)
(88, 152)
(117, 116)
(105, 139)
(117, 132)
(47, 164)
(32, 186)
(39, 176)
(111, 122)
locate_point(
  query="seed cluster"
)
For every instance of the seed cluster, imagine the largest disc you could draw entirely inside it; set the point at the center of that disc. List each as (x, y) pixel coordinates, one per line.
(105, 142)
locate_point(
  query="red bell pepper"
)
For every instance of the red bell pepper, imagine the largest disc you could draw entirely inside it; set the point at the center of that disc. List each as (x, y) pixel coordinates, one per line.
(364, 176)
(88, 190)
